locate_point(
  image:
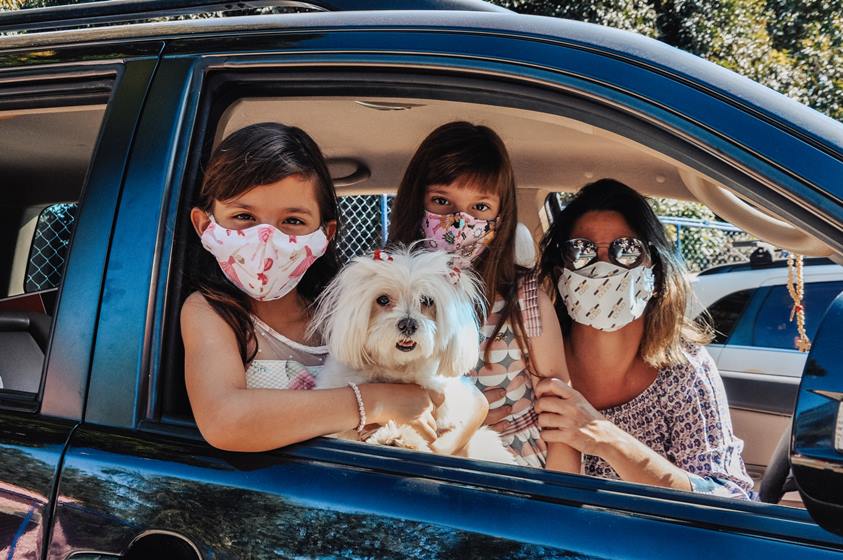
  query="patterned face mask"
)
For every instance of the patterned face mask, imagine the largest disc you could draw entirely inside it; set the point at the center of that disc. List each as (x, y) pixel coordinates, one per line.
(460, 234)
(606, 296)
(263, 261)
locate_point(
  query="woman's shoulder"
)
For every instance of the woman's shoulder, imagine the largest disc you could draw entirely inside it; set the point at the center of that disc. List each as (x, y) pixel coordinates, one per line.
(196, 300)
(695, 377)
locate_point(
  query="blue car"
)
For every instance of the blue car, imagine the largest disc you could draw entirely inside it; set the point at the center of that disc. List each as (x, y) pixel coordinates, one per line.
(108, 112)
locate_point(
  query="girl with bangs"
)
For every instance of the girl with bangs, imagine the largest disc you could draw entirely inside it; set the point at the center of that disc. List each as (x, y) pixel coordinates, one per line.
(458, 194)
(267, 216)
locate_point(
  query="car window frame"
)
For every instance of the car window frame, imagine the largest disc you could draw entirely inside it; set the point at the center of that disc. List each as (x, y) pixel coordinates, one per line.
(43, 88)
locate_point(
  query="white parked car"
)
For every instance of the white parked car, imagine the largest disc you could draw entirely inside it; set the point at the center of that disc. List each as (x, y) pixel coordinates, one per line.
(755, 346)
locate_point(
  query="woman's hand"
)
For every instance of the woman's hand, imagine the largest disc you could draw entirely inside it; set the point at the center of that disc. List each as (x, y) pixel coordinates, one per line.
(565, 416)
(404, 403)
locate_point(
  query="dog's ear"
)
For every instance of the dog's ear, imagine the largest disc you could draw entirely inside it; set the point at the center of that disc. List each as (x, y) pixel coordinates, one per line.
(463, 337)
(342, 316)
(461, 350)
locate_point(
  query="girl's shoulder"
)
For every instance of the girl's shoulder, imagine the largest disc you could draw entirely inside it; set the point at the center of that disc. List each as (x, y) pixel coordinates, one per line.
(195, 305)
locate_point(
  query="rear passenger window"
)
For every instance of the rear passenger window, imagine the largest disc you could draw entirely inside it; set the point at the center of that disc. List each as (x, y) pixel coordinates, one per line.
(50, 241)
(725, 313)
(773, 327)
(44, 157)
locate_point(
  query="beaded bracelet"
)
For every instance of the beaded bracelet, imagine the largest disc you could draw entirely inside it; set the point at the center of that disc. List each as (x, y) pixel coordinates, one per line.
(361, 410)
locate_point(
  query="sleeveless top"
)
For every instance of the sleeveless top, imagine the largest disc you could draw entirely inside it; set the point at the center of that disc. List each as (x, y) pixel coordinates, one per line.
(281, 363)
(507, 370)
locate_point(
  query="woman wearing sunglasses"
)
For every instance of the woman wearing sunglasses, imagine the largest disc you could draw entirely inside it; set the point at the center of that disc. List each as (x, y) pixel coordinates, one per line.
(646, 404)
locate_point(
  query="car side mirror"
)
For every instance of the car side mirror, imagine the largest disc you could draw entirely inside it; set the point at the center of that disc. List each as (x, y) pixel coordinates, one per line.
(816, 451)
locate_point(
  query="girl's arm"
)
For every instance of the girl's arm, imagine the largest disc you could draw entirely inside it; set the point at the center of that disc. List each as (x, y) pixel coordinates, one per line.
(547, 355)
(235, 418)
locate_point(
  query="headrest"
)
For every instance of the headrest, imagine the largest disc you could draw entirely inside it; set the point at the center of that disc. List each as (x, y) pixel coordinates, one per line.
(525, 247)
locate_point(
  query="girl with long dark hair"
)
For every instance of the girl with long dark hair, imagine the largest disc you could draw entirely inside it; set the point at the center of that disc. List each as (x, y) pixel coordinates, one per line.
(267, 217)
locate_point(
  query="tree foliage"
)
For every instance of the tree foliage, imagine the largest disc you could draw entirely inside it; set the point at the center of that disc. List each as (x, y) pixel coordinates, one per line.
(792, 46)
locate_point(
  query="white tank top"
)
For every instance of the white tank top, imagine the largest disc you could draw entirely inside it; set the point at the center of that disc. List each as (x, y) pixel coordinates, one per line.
(281, 363)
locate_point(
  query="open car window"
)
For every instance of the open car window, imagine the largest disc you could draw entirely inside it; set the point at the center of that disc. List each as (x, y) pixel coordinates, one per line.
(550, 153)
(44, 157)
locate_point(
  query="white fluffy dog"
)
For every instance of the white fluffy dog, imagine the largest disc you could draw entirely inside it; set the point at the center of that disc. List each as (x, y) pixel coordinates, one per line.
(406, 317)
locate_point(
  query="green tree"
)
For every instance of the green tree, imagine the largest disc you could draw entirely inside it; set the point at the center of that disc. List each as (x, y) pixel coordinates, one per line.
(792, 46)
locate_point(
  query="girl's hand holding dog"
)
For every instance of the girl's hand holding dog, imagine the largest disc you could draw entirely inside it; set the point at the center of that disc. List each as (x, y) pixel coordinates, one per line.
(404, 403)
(565, 416)
(466, 420)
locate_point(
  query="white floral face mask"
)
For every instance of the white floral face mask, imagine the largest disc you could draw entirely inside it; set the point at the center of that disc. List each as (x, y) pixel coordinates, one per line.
(263, 261)
(606, 296)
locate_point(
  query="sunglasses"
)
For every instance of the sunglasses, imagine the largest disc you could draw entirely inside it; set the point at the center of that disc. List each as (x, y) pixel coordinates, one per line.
(627, 252)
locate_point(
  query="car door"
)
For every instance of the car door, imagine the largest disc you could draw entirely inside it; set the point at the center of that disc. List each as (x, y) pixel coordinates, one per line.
(137, 471)
(66, 123)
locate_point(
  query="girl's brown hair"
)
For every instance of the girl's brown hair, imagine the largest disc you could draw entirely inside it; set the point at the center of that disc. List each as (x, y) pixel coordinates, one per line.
(667, 328)
(461, 150)
(257, 155)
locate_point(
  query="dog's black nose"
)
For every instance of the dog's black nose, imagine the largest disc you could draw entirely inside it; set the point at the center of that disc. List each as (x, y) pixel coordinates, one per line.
(407, 326)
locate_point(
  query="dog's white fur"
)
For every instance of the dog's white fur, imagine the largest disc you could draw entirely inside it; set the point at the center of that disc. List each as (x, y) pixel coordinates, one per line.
(364, 339)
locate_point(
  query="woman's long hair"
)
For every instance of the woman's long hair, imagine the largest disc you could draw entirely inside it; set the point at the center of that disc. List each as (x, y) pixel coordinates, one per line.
(461, 150)
(257, 155)
(667, 328)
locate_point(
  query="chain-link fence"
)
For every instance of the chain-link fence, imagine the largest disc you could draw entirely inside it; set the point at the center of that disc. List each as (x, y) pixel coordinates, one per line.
(705, 243)
(49, 246)
(365, 223)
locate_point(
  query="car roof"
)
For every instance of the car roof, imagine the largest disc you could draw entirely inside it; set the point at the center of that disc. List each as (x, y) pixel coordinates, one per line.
(812, 126)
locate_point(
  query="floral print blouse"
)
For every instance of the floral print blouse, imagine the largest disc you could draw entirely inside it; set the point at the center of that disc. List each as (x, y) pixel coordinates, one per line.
(684, 416)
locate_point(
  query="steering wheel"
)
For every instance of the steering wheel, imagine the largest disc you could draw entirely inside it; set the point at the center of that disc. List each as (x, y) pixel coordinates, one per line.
(778, 477)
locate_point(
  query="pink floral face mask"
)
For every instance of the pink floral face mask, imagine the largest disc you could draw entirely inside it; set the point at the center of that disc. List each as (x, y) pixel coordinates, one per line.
(460, 233)
(263, 261)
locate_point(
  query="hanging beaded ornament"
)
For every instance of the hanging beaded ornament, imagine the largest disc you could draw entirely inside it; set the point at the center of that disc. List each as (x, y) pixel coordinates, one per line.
(797, 294)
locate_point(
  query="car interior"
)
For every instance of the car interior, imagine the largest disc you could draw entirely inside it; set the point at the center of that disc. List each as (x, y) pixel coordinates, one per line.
(368, 141)
(44, 156)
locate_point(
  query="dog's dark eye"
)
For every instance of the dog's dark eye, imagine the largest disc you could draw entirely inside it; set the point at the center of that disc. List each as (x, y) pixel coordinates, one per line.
(383, 300)
(426, 301)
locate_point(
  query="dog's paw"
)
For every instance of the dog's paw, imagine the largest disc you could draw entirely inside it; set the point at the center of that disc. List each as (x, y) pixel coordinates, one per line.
(445, 424)
(387, 434)
(404, 437)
